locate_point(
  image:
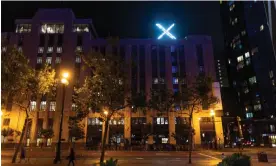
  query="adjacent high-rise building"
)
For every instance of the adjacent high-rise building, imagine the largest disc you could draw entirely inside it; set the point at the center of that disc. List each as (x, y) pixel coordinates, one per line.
(54, 36)
(249, 33)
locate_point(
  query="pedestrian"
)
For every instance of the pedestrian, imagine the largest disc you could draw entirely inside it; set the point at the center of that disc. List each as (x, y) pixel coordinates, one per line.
(22, 155)
(71, 157)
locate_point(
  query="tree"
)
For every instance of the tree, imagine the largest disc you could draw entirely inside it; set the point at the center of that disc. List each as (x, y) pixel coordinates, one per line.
(6, 132)
(21, 83)
(197, 95)
(104, 88)
(76, 129)
(47, 133)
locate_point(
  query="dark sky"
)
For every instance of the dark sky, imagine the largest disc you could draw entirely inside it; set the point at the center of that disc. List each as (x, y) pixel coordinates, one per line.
(131, 19)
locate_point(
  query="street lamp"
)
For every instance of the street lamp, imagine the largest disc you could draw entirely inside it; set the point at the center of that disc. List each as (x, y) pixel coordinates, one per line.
(106, 112)
(64, 82)
(212, 114)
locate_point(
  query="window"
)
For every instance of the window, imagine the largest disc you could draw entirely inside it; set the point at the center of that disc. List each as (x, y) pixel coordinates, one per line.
(43, 106)
(52, 106)
(162, 81)
(165, 140)
(6, 122)
(40, 50)
(247, 61)
(94, 121)
(252, 80)
(49, 60)
(175, 80)
(59, 49)
(246, 90)
(80, 28)
(33, 105)
(174, 69)
(272, 128)
(261, 27)
(155, 81)
(240, 58)
(19, 49)
(236, 20)
(243, 33)
(58, 60)
(249, 115)
(39, 60)
(247, 55)
(257, 107)
(78, 49)
(50, 50)
(52, 28)
(74, 107)
(240, 65)
(4, 49)
(78, 59)
(229, 61)
(23, 28)
(270, 74)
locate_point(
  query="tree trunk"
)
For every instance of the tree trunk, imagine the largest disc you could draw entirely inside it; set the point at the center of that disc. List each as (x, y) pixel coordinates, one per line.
(20, 141)
(104, 140)
(190, 138)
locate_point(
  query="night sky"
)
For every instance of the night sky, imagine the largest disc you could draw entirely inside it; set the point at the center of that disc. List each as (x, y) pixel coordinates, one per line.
(131, 19)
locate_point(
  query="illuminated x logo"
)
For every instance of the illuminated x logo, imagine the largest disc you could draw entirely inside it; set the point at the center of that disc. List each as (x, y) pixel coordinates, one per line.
(165, 31)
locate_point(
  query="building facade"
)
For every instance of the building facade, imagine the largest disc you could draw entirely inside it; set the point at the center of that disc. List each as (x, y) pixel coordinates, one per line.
(54, 36)
(251, 66)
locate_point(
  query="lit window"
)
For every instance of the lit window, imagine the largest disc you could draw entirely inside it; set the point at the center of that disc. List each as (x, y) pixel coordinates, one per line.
(175, 80)
(229, 61)
(247, 61)
(246, 90)
(273, 82)
(80, 28)
(59, 49)
(270, 74)
(257, 107)
(249, 115)
(174, 69)
(42, 105)
(240, 58)
(50, 50)
(272, 128)
(252, 80)
(247, 55)
(40, 50)
(79, 49)
(236, 20)
(74, 107)
(52, 28)
(23, 28)
(39, 60)
(19, 49)
(155, 80)
(49, 60)
(86, 29)
(52, 106)
(243, 33)
(33, 105)
(240, 65)
(58, 60)
(261, 27)
(78, 59)
(4, 49)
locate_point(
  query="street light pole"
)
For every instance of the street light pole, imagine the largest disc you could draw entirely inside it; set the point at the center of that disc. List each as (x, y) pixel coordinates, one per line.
(64, 82)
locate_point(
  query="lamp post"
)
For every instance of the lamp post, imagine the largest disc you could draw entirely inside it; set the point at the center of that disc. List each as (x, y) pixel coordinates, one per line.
(212, 114)
(64, 82)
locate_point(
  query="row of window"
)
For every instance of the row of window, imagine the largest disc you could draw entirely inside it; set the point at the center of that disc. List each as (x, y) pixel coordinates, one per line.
(49, 50)
(52, 28)
(23, 28)
(57, 61)
(43, 105)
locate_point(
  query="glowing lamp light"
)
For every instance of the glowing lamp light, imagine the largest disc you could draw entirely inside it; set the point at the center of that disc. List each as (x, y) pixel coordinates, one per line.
(165, 31)
(64, 81)
(212, 113)
(65, 75)
(105, 112)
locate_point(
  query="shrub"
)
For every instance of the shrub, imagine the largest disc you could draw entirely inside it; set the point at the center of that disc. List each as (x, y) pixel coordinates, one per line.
(236, 159)
(110, 162)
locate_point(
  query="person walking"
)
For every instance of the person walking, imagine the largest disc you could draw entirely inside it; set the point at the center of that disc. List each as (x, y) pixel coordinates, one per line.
(71, 157)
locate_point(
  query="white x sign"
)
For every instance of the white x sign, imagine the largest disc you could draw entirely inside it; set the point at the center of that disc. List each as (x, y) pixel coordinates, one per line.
(165, 31)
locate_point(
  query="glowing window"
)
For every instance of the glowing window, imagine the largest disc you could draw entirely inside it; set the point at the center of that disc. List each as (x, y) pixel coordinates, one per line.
(175, 80)
(58, 59)
(249, 115)
(52, 106)
(240, 58)
(78, 59)
(40, 50)
(4, 49)
(43, 106)
(39, 60)
(59, 49)
(50, 49)
(33, 105)
(247, 55)
(261, 27)
(49, 60)
(155, 80)
(252, 80)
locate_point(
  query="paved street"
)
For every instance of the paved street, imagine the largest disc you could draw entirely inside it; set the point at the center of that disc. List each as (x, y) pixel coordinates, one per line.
(136, 158)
